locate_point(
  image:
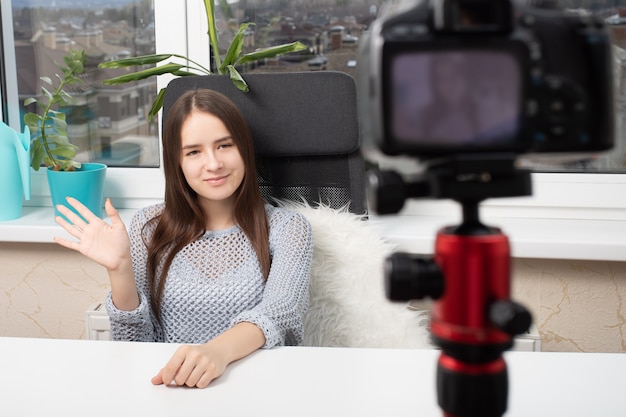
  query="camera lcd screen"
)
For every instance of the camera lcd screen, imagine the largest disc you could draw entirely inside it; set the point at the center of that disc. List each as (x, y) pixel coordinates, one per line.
(455, 99)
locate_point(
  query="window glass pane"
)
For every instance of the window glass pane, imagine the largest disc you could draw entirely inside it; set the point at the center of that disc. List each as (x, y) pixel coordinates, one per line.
(108, 123)
(332, 30)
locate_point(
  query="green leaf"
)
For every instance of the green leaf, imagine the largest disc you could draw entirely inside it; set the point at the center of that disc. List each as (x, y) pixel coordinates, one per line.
(36, 157)
(66, 97)
(65, 152)
(69, 165)
(29, 101)
(46, 80)
(32, 120)
(70, 79)
(209, 7)
(74, 61)
(183, 73)
(138, 60)
(60, 123)
(234, 50)
(237, 79)
(57, 99)
(156, 106)
(57, 114)
(147, 73)
(59, 139)
(47, 93)
(271, 52)
(55, 139)
(68, 60)
(36, 144)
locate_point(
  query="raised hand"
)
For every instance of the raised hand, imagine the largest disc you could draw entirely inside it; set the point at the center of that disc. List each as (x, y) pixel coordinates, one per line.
(106, 244)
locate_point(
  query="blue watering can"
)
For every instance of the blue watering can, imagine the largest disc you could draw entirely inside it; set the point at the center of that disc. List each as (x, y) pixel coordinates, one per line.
(14, 171)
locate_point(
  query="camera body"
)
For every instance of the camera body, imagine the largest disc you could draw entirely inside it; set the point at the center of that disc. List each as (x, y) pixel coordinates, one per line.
(449, 77)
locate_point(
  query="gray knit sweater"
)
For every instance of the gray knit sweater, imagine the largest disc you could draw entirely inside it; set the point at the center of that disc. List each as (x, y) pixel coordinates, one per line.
(216, 282)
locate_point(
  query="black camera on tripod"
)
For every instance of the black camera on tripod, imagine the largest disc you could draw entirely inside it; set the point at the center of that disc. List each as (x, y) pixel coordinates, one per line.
(467, 86)
(450, 77)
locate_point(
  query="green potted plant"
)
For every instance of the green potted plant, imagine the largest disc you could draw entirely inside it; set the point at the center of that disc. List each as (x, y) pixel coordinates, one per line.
(50, 146)
(184, 66)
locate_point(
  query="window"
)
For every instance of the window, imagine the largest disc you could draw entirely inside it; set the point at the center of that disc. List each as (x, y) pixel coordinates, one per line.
(44, 34)
(588, 190)
(107, 123)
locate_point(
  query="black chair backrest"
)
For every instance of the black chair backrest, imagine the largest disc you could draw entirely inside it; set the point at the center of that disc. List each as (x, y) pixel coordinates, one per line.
(305, 131)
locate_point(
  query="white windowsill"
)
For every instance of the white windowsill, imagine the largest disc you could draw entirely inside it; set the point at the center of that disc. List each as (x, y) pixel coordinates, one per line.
(37, 225)
(530, 238)
(567, 217)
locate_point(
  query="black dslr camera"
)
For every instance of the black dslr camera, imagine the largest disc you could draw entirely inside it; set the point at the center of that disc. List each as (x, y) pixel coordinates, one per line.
(446, 77)
(467, 86)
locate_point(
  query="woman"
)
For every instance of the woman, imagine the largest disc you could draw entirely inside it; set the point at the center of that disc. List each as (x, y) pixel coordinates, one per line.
(212, 267)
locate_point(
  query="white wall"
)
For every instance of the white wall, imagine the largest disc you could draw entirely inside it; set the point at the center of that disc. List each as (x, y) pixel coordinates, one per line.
(45, 290)
(577, 306)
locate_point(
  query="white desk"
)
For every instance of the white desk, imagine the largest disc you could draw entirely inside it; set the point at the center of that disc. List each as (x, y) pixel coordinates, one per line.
(44, 377)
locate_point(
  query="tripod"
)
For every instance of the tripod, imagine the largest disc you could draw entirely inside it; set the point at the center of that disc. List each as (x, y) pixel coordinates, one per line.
(473, 320)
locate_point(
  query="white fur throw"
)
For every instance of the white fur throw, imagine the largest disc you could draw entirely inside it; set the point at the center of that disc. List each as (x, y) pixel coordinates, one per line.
(348, 307)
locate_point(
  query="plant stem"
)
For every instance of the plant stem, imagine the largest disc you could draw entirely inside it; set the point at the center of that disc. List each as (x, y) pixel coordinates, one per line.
(43, 135)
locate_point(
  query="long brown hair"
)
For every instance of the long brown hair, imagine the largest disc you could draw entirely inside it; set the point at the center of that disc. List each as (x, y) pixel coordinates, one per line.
(183, 220)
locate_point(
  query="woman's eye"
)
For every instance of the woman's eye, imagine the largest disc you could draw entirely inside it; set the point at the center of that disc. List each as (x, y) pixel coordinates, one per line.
(191, 153)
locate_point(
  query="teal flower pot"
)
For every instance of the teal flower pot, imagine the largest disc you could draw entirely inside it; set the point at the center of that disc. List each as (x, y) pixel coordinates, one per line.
(85, 184)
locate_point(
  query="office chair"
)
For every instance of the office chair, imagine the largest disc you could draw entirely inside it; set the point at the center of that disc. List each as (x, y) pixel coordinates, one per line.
(305, 131)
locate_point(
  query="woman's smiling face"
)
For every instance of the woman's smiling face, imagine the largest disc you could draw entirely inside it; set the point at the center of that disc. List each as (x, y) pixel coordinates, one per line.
(210, 159)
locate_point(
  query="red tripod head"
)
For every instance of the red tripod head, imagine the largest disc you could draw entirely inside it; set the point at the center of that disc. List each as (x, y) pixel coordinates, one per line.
(473, 319)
